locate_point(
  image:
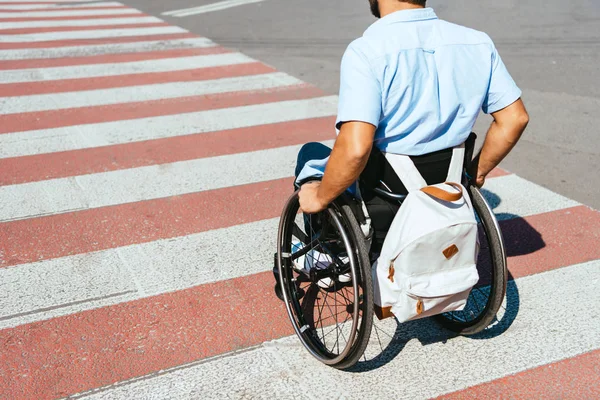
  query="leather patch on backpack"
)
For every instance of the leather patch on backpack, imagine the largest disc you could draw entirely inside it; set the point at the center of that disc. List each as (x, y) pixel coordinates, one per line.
(450, 251)
(383, 312)
(392, 272)
(420, 307)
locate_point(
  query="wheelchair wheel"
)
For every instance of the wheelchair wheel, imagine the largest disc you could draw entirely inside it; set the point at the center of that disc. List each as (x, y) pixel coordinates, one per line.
(487, 296)
(325, 280)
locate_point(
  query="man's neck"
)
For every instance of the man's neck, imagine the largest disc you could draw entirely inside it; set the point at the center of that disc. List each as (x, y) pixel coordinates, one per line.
(387, 7)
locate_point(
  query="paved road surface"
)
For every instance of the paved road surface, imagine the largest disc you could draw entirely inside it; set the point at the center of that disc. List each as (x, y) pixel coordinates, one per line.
(551, 47)
(143, 168)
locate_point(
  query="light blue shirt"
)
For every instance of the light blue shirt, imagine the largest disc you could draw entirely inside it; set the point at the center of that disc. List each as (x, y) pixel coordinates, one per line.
(422, 82)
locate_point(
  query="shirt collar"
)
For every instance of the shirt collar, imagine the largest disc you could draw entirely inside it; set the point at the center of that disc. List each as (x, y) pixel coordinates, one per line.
(417, 14)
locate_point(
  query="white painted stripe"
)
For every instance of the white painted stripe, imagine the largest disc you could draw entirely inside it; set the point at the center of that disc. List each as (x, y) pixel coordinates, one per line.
(159, 91)
(105, 278)
(222, 5)
(93, 34)
(144, 183)
(59, 287)
(109, 133)
(78, 22)
(512, 196)
(101, 49)
(72, 13)
(121, 68)
(56, 6)
(423, 361)
(99, 279)
(47, 1)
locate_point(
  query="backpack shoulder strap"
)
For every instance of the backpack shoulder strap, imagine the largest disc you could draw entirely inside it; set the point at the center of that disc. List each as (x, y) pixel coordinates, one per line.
(456, 164)
(406, 171)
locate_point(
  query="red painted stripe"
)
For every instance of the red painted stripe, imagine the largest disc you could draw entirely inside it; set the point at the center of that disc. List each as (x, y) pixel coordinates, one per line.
(118, 112)
(63, 18)
(86, 42)
(57, 9)
(109, 58)
(24, 31)
(496, 172)
(148, 78)
(573, 378)
(68, 355)
(131, 155)
(74, 353)
(55, 236)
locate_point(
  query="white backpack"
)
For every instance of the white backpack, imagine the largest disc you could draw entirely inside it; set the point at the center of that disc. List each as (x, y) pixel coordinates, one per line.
(427, 265)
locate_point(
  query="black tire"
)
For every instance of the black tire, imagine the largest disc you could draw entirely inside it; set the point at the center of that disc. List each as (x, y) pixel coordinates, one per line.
(493, 275)
(339, 225)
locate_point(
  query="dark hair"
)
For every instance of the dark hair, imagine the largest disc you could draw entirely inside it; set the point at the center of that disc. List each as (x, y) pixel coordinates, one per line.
(416, 2)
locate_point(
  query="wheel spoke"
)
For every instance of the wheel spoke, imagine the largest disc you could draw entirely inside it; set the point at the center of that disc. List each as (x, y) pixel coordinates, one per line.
(327, 320)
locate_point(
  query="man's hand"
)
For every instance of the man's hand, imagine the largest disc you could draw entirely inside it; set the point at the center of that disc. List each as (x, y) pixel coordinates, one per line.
(310, 203)
(480, 181)
(474, 174)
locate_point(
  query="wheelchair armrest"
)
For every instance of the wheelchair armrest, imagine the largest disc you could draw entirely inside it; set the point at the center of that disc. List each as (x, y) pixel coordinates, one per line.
(389, 195)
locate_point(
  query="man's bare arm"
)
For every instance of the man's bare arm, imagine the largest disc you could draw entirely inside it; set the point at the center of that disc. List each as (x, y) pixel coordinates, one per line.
(504, 133)
(348, 159)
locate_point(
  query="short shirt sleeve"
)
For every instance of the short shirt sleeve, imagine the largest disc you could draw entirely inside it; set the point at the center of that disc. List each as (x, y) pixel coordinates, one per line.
(360, 91)
(503, 90)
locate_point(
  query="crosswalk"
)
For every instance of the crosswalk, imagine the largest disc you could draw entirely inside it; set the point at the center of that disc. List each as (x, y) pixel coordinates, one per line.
(142, 172)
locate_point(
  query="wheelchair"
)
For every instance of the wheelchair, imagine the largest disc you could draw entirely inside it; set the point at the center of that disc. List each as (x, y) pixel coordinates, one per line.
(330, 304)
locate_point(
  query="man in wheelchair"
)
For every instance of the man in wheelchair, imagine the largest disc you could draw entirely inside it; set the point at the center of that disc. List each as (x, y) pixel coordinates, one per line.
(411, 89)
(412, 85)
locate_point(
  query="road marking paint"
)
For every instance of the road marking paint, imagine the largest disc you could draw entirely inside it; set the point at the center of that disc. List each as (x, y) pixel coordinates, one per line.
(160, 91)
(77, 22)
(119, 68)
(522, 196)
(559, 380)
(142, 45)
(70, 13)
(144, 109)
(56, 30)
(532, 241)
(45, 2)
(7, 65)
(161, 151)
(96, 41)
(124, 131)
(276, 366)
(91, 34)
(29, 241)
(134, 110)
(205, 254)
(172, 330)
(222, 5)
(52, 6)
(144, 183)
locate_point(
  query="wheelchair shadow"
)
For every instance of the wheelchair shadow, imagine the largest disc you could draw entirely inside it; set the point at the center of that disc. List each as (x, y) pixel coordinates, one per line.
(520, 238)
(389, 337)
(387, 343)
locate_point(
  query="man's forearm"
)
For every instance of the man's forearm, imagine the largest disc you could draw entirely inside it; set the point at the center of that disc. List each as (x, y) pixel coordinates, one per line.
(497, 145)
(348, 159)
(503, 135)
(342, 171)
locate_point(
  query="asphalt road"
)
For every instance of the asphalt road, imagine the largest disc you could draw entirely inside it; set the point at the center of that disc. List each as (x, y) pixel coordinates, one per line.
(552, 49)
